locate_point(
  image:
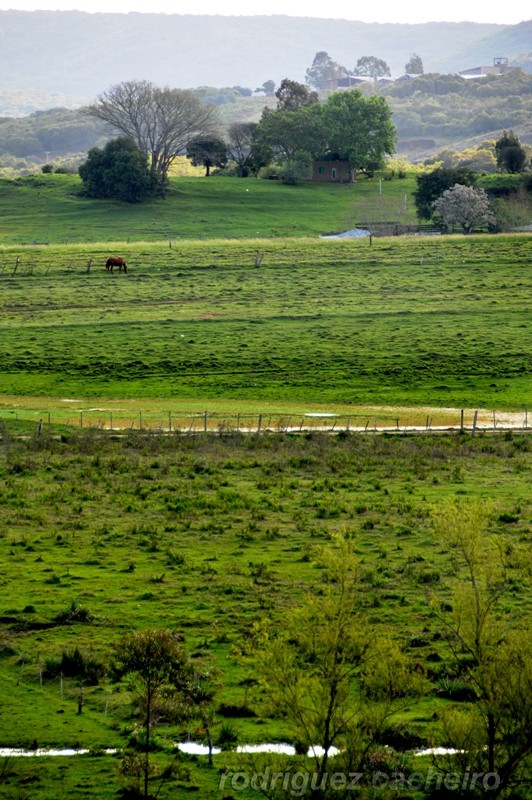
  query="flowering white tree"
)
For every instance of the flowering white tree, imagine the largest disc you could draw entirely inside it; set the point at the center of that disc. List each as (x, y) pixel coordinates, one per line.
(464, 206)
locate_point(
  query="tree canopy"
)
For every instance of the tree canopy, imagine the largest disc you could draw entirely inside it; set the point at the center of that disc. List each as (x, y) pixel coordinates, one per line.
(359, 129)
(464, 206)
(207, 151)
(292, 132)
(161, 121)
(119, 170)
(245, 148)
(510, 153)
(372, 66)
(431, 185)
(414, 66)
(292, 96)
(323, 69)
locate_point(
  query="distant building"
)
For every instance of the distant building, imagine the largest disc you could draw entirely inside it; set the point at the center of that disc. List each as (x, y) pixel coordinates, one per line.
(332, 172)
(499, 67)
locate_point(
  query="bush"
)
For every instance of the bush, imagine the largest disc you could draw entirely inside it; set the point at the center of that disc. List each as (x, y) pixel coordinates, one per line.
(73, 664)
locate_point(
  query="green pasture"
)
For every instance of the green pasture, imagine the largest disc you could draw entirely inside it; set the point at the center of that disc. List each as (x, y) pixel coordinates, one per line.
(209, 534)
(48, 209)
(279, 325)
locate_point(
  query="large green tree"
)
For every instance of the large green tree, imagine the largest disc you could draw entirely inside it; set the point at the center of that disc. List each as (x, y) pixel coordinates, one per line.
(359, 129)
(161, 121)
(291, 132)
(119, 170)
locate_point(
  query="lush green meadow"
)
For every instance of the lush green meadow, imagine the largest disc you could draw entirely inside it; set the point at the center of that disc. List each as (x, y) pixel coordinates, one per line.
(287, 325)
(233, 305)
(49, 209)
(209, 535)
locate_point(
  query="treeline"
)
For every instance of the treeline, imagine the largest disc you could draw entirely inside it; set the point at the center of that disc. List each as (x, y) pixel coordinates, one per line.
(448, 106)
(49, 134)
(443, 107)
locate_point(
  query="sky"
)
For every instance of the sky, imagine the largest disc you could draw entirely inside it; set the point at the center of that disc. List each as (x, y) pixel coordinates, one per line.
(381, 11)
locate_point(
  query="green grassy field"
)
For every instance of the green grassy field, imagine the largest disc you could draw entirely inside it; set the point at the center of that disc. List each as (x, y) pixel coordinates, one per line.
(210, 534)
(107, 533)
(286, 325)
(48, 209)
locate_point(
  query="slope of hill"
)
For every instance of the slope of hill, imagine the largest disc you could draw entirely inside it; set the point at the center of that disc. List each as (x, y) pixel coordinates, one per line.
(72, 52)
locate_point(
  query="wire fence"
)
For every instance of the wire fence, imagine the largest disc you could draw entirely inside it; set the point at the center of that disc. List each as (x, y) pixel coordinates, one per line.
(168, 421)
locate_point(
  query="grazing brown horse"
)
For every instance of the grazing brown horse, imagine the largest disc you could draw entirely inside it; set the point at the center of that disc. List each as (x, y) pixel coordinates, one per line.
(116, 262)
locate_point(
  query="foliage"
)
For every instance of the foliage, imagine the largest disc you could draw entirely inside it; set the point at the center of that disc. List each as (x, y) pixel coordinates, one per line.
(292, 96)
(224, 501)
(511, 155)
(268, 87)
(323, 69)
(246, 150)
(118, 171)
(431, 186)
(295, 136)
(360, 130)
(491, 732)
(414, 65)
(464, 206)
(478, 158)
(158, 663)
(209, 151)
(160, 121)
(308, 668)
(372, 66)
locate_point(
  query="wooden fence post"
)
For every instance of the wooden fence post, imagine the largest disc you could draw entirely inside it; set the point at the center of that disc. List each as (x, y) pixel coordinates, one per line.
(259, 426)
(169, 420)
(462, 419)
(16, 264)
(475, 422)
(205, 419)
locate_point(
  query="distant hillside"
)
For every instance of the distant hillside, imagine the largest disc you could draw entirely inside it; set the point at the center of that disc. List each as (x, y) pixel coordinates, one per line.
(81, 54)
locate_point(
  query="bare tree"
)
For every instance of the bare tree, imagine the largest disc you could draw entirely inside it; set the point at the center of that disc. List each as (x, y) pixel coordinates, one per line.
(161, 121)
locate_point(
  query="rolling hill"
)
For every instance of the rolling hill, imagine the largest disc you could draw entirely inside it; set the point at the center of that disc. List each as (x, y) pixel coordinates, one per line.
(82, 54)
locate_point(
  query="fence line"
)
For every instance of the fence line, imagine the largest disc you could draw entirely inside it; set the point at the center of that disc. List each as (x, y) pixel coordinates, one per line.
(262, 423)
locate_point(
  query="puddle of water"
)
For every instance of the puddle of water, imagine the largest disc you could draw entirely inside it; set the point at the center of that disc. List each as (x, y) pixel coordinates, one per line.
(195, 749)
(283, 749)
(438, 751)
(316, 750)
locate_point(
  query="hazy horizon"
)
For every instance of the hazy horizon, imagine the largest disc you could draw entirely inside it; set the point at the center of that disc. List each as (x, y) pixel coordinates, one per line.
(383, 12)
